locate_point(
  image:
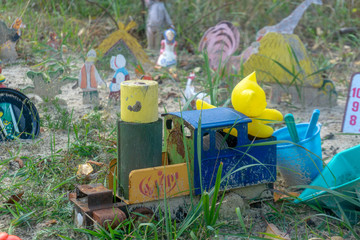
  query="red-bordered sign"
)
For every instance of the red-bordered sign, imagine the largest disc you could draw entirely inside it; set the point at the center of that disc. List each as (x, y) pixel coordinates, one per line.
(351, 120)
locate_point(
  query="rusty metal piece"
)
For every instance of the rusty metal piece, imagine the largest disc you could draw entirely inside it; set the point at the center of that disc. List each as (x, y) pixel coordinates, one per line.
(98, 196)
(109, 217)
(90, 198)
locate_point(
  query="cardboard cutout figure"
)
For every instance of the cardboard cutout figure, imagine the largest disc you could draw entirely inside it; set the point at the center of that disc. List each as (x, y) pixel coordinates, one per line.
(117, 63)
(158, 19)
(121, 42)
(89, 79)
(7, 50)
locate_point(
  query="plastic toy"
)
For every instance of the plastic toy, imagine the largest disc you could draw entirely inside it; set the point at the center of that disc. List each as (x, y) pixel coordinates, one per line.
(167, 56)
(5, 236)
(89, 79)
(158, 19)
(121, 42)
(19, 117)
(146, 174)
(7, 50)
(190, 93)
(290, 124)
(299, 163)
(340, 182)
(117, 63)
(249, 99)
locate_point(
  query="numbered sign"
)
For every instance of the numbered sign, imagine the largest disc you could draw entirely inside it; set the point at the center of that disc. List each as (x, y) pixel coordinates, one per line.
(351, 122)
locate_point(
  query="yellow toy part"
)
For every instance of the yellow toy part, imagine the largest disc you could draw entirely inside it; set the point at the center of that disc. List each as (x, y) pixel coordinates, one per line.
(200, 104)
(270, 115)
(257, 128)
(248, 97)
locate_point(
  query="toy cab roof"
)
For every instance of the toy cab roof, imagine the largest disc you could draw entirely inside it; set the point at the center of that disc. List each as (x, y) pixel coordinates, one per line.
(215, 117)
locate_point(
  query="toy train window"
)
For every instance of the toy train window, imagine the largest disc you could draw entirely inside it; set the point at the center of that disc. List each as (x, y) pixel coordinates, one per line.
(223, 140)
(169, 124)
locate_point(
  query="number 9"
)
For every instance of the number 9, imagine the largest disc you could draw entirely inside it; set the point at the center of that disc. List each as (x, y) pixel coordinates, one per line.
(355, 106)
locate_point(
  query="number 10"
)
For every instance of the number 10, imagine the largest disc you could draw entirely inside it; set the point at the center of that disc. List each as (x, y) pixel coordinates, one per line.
(356, 91)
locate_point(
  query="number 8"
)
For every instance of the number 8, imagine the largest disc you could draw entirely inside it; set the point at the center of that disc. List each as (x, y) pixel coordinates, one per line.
(352, 120)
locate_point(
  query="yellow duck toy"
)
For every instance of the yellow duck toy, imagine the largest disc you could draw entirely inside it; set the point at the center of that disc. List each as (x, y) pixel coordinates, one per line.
(249, 98)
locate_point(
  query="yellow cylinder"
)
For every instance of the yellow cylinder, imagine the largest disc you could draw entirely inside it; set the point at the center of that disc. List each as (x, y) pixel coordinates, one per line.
(139, 101)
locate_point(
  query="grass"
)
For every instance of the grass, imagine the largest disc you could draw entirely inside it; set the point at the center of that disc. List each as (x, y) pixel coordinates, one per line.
(51, 163)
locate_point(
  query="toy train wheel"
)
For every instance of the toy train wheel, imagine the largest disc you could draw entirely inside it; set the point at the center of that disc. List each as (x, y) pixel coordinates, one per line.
(142, 215)
(19, 117)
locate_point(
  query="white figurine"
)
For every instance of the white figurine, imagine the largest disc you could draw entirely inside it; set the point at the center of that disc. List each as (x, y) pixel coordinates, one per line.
(89, 79)
(118, 64)
(158, 19)
(167, 51)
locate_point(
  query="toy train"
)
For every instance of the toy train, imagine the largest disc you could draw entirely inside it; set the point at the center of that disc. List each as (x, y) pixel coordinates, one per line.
(195, 143)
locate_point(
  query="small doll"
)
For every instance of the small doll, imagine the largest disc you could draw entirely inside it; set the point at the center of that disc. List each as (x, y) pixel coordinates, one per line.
(89, 79)
(117, 63)
(167, 52)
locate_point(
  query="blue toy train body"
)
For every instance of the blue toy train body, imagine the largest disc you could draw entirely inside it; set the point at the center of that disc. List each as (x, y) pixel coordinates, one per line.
(219, 135)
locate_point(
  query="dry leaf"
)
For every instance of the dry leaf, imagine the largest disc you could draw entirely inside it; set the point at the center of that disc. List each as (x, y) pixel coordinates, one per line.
(171, 94)
(15, 198)
(280, 196)
(336, 238)
(84, 170)
(273, 230)
(20, 162)
(82, 30)
(319, 31)
(50, 222)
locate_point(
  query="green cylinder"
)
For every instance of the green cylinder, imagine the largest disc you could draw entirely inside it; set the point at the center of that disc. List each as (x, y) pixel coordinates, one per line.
(139, 146)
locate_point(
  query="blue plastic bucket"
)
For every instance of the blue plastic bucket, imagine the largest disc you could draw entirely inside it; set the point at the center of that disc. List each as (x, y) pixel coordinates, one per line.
(299, 165)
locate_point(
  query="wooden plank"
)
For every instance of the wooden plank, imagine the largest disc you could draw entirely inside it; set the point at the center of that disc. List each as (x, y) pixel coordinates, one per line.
(150, 184)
